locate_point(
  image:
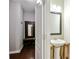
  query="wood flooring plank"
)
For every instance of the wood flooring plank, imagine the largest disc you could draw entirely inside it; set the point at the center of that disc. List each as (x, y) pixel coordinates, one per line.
(26, 53)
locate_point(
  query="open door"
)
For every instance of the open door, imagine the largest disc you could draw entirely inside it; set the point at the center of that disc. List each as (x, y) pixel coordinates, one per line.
(38, 32)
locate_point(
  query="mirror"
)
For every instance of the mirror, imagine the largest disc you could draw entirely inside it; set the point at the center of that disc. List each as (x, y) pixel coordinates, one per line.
(29, 29)
(55, 22)
(56, 11)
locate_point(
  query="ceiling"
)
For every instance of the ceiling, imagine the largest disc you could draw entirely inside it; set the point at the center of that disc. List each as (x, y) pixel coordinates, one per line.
(27, 5)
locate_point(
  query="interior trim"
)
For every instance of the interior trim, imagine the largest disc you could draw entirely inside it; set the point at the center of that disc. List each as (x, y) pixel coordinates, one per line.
(17, 51)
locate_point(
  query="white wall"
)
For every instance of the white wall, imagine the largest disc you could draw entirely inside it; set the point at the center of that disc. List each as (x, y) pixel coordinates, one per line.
(38, 32)
(15, 26)
(29, 16)
(12, 25)
(66, 20)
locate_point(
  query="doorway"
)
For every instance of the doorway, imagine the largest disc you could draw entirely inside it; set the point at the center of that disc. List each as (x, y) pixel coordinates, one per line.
(32, 36)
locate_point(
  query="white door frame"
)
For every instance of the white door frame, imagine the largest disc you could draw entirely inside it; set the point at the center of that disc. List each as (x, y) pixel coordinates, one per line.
(36, 48)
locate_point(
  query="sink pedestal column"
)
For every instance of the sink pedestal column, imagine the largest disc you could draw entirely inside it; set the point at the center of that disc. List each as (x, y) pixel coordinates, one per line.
(58, 44)
(56, 52)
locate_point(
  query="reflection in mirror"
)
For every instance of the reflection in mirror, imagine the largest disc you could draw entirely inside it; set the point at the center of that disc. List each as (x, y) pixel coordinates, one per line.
(30, 30)
(55, 22)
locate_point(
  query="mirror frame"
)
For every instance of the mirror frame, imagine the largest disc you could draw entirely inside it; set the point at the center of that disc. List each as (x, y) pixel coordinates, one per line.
(60, 24)
(26, 29)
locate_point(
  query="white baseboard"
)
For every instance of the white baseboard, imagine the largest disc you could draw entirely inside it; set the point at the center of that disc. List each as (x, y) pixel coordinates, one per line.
(17, 51)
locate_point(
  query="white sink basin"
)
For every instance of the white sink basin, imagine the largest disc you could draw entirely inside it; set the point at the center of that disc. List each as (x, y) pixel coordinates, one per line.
(58, 42)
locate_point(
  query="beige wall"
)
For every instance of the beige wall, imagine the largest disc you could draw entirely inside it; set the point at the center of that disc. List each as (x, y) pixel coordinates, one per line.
(66, 20)
(61, 4)
(47, 25)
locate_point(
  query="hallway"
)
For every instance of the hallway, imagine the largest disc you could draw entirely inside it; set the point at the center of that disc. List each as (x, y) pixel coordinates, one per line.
(26, 53)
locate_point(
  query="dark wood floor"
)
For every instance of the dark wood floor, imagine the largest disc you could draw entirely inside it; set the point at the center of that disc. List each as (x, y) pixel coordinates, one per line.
(26, 53)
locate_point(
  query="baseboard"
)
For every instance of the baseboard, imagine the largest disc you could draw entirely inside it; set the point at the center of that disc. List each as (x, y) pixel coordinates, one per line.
(17, 51)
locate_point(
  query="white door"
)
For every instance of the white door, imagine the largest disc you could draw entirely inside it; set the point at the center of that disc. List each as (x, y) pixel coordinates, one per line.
(38, 32)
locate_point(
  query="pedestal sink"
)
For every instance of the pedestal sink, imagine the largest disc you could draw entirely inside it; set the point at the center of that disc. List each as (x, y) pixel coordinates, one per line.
(57, 44)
